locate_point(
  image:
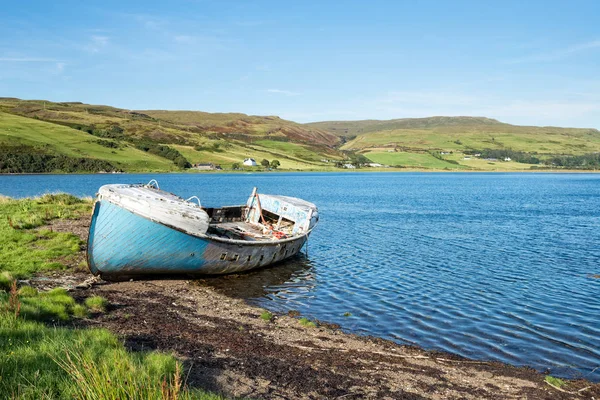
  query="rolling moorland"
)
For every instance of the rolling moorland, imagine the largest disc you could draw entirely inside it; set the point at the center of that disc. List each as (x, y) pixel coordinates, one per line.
(43, 136)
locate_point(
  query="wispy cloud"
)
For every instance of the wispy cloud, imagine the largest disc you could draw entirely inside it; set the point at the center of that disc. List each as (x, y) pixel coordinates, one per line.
(428, 97)
(248, 23)
(557, 54)
(319, 115)
(540, 109)
(263, 67)
(283, 92)
(96, 43)
(555, 109)
(206, 42)
(186, 39)
(148, 21)
(60, 67)
(27, 59)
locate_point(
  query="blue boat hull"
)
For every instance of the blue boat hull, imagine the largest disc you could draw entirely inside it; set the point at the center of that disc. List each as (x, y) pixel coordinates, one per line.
(122, 243)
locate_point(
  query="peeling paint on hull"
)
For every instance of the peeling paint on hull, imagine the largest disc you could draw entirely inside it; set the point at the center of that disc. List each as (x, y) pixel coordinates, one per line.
(123, 243)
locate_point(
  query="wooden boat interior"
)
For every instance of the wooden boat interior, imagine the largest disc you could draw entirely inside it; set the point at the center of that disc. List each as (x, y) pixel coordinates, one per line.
(232, 223)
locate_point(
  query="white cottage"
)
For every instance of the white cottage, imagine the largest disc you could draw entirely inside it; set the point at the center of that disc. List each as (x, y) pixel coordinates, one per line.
(250, 162)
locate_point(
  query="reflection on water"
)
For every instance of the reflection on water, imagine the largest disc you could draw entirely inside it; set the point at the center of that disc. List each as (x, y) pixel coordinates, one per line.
(293, 275)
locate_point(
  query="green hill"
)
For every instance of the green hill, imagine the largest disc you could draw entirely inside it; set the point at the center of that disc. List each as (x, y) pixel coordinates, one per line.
(18, 132)
(354, 128)
(457, 140)
(65, 135)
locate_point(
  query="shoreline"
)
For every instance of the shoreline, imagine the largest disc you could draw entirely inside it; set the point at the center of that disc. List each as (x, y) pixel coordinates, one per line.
(359, 170)
(228, 346)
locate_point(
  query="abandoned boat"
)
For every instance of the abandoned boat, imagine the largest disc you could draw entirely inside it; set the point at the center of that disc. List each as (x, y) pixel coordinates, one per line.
(140, 230)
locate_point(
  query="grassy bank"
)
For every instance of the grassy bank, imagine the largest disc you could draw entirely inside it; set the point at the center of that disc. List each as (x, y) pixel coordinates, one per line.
(27, 244)
(41, 360)
(41, 355)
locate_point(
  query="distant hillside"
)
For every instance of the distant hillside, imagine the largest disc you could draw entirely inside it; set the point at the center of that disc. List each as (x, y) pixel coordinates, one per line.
(232, 123)
(463, 133)
(451, 142)
(153, 140)
(353, 128)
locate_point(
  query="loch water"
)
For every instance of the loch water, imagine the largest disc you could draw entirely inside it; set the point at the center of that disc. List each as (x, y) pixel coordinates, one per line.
(488, 266)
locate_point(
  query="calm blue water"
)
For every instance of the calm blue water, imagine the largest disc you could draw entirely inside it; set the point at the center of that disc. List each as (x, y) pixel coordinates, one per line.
(488, 266)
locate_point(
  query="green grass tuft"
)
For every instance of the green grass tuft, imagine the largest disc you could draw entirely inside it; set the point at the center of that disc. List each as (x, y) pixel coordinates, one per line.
(25, 250)
(266, 316)
(6, 279)
(53, 305)
(80, 311)
(63, 199)
(28, 291)
(307, 323)
(555, 381)
(96, 303)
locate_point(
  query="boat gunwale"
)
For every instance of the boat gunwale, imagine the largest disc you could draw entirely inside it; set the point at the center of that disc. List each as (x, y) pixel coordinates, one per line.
(215, 238)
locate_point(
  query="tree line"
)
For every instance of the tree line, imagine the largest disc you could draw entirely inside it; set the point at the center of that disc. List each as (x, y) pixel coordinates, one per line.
(26, 159)
(584, 161)
(165, 152)
(500, 154)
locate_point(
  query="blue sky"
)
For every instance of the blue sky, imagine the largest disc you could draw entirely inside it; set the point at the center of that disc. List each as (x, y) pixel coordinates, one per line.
(534, 63)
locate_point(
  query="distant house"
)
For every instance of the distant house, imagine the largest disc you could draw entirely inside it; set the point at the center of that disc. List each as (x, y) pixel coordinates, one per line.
(250, 162)
(374, 164)
(467, 158)
(206, 167)
(506, 158)
(349, 166)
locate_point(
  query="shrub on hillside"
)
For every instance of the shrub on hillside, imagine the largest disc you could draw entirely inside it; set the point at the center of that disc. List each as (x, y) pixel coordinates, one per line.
(165, 152)
(28, 159)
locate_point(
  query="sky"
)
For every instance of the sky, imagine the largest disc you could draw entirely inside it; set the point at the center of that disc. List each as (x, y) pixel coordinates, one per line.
(522, 62)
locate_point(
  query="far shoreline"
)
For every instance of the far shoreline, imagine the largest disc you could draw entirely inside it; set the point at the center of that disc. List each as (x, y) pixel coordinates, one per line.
(358, 170)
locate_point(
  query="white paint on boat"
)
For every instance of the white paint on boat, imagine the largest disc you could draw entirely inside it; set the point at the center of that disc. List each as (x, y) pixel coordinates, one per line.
(157, 205)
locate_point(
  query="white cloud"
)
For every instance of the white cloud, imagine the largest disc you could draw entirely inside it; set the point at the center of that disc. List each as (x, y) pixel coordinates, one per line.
(557, 54)
(97, 43)
(284, 92)
(249, 23)
(542, 110)
(184, 39)
(100, 40)
(26, 59)
(320, 115)
(428, 98)
(263, 67)
(563, 109)
(152, 22)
